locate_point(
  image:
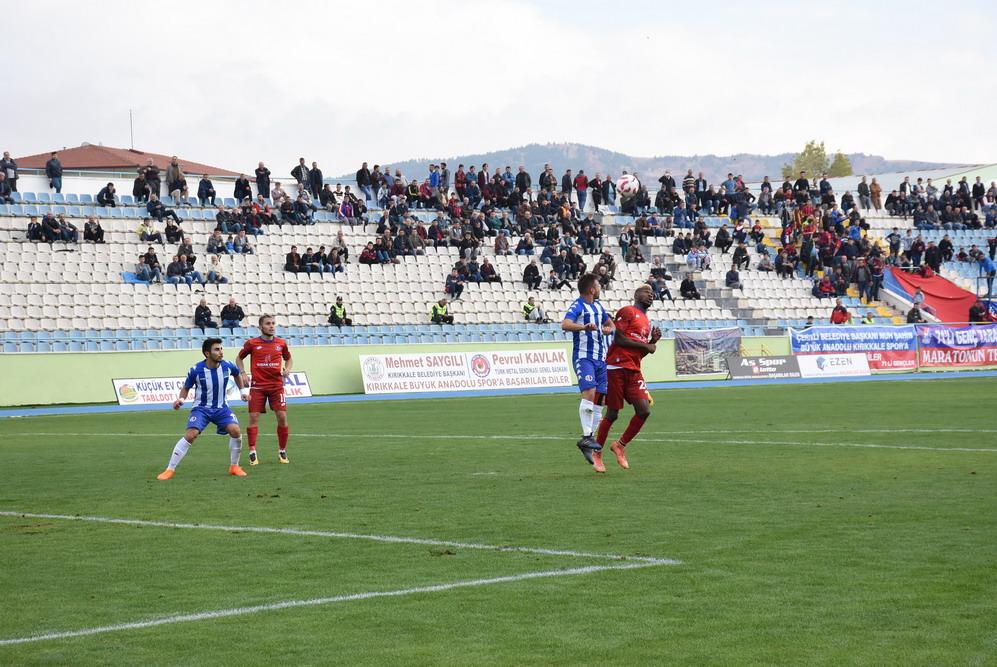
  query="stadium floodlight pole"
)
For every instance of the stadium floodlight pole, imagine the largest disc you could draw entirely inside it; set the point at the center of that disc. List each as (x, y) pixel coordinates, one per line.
(131, 129)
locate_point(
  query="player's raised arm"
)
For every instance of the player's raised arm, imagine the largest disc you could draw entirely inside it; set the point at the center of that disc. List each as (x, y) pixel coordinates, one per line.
(569, 325)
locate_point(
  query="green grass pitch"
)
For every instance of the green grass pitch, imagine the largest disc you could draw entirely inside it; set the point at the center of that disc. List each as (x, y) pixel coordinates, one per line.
(833, 524)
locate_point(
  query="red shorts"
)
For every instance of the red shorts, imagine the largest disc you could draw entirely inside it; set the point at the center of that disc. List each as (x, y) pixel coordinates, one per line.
(625, 385)
(260, 396)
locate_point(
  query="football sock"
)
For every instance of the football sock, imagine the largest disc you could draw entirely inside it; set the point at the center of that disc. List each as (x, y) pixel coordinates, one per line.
(235, 449)
(585, 410)
(596, 418)
(179, 451)
(633, 428)
(252, 432)
(603, 431)
(282, 433)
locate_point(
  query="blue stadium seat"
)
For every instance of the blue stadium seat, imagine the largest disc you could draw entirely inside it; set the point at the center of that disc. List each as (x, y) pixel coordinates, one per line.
(74, 211)
(59, 209)
(228, 201)
(4, 209)
(58, 198)
(30, 210)
(127, 200)
(59, 346)
(43, 198)
(121, 346)
(72, 198)
(167, 200)
(16, 197)
(75, 346)
(16, 209)
(27, 346)
(9, 347)
(86, 199)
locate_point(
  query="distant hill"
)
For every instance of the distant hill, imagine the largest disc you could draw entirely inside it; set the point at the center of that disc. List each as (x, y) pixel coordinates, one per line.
(592, 159)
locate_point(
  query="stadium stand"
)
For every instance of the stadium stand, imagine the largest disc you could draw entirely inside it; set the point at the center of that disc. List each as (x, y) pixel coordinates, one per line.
(82, 296)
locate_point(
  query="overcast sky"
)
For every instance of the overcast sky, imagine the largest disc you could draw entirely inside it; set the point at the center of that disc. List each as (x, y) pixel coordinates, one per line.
(231, 83)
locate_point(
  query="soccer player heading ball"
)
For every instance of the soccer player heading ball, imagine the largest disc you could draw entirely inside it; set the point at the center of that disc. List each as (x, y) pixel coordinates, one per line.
(211, 378)
(271, 363)
(589, 324)
(635, 338)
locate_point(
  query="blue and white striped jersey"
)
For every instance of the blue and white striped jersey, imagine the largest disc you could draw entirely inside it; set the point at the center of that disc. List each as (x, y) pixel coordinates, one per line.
(210, 383)
(588, 344)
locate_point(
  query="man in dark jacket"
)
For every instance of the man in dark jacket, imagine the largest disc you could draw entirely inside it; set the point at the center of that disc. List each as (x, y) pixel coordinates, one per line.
(8, 167)
(364, 181)
(206, 191)
(263, 181)
(158, 211)
(53, 169)
(106, 196)
(531, 275)
(300, 172)
(232, 314)
(315, 180)
(242, 189)
(292, 262)
(202, 316)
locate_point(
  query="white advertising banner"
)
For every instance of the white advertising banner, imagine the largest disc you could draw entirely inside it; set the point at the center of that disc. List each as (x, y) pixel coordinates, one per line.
(160, 391)
(455, 371)
(833, 365)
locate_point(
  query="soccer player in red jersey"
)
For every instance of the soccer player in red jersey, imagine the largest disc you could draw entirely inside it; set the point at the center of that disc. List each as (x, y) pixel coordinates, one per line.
(271, 363)
(634, 338)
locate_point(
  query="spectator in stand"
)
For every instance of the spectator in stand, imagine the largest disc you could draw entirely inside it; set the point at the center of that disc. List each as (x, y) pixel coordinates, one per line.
(531, 275)
(723, 240)
(151, 259)
(488, 272)
(173, 232)
(740, 258)
(733, 279)
(914, 316)
(263, 180)
(368, 255)
(175, 272)
(186, 248)
(581, 188)
(455, 285)
(840, 314)
(555, 283)
(51, 232)
(315, 180)
(440, 314)
(688, 288)
(176, 183)
(6, 194)
(106, 196)
(534, 313)
(146, 273)
(765, 264)
(158, 211)
(300, 172)
(659, 284)
(242, 189)
(202, 316)
(92, 231)
(988, 269)
(292, 261)
(337, 314)
(8, 167)
(216, 244)
(242, 244)
(151, 173)
(67, 230)
(824, 288)
(311, 262)
(140, 187)
(867, 318)
(216, 275)
(232, 315)
(53, 170)
(191, 275)
(364, 181)
(206, 191)
(634, 254)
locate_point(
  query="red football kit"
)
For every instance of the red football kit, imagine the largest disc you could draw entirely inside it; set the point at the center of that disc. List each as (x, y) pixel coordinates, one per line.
(626, 383)
(266, 361)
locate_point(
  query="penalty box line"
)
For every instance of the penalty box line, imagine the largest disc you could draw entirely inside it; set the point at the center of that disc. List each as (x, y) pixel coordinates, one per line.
(300, 532)
(315, 602)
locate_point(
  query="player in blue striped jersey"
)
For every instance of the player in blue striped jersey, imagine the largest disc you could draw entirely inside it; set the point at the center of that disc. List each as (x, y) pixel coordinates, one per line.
(210, 379)
(590, 325)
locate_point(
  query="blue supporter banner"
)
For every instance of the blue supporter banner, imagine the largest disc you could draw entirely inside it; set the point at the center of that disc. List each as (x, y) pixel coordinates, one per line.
(886, 348)
(944, 346)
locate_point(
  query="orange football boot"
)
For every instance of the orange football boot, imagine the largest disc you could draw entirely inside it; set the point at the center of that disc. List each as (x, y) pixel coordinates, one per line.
(597, 463)
(165, 475)
(621, 456)
(236, 471)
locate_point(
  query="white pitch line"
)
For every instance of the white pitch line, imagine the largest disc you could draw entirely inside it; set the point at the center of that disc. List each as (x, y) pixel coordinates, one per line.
(391, 539)
(451, 436)
(314, 602)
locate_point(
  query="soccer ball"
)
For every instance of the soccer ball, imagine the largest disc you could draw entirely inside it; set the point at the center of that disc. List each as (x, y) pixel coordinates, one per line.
(628, 184)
